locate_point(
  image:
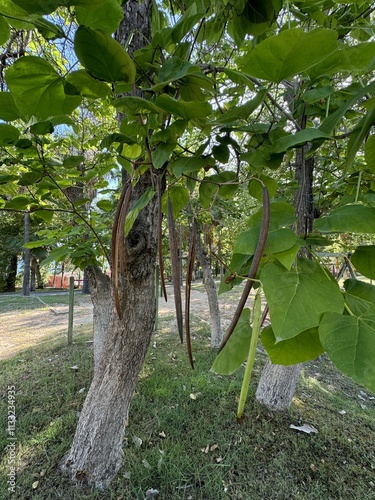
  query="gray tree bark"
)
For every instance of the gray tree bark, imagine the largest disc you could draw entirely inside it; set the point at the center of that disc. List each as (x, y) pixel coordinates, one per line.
(210, 287)
(26, 258)
(120, 344)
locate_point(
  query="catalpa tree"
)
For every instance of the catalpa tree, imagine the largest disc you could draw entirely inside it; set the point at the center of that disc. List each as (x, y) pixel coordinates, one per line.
(254, 85)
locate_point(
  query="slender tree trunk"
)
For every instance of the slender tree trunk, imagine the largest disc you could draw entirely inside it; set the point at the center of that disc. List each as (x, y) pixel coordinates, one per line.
(120, 344)
(278, 383)
(32, 273)
(210, 286)
(26, 258)
(12, 274)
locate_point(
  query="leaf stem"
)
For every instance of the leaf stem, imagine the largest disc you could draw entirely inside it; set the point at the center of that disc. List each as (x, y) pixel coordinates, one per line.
(257, 319)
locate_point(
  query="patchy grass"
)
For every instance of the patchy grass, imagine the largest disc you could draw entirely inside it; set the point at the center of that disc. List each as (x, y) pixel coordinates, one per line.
(17, 302)
(183, 438)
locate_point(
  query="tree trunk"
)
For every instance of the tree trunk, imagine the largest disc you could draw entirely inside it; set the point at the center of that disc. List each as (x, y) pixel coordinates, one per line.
(120, 344)
(210, 286)
(26, 258)
(33, 263)
(12, 274)
(277, 383)
(86, 283)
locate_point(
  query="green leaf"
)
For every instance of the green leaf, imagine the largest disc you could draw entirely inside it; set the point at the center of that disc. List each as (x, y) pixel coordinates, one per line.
(8, 108)
(358, 135)
(19, 202)
(363, 259)
(172, 69)
(207, 193)
(162, 153)
(282, 214)
(350, 343)
(242, 112)
(298, 139)
(353, 218)
(57, 255)
(288, 257)
(4, 30)
(45, 215)
(289, 53)
(370, 153)
(40, 243)
(303, 347)
(186, 110)
(42, 128)
(298, 298)
(114, 138)
(221, 153)
(38, 89)
(278, 240)
(184, 165)
(256, 187)
(187, 21)
(135, 105)
(105, 16)
(179, 197)
(354, 59)
(332, 120)
(359, 296)
(231, 357)
(73, 161)
(87, 85)
(139, 205)
(47, 7)
(8, 134)
(48, 30)
(103, 56)
(105, 205)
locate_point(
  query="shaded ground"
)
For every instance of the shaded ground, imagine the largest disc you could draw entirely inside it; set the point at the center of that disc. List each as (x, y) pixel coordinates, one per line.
(23, 328)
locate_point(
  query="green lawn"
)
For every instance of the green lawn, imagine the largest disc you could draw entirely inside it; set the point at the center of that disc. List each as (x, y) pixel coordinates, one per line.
(183, 438)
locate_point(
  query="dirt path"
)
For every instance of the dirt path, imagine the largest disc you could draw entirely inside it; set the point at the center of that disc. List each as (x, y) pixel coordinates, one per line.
(20, 330)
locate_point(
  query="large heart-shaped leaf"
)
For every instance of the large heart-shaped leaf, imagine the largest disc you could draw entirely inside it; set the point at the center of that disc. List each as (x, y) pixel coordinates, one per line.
(186, 110)
(363, 259)
(353, 218)
(103, 56)
(87, 85)
(8, 134)
(38, 89)
(231, 357)
(105, 16)
(8, 108)
(350, 343)
(303, 347)
(298, 298)
(290, 52)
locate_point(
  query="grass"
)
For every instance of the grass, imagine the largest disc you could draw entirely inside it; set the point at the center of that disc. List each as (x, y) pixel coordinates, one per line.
(16, 302)
(183, 438)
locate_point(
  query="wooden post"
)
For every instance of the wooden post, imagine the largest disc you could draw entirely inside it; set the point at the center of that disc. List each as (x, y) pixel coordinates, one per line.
(157, 285)
(71, 309)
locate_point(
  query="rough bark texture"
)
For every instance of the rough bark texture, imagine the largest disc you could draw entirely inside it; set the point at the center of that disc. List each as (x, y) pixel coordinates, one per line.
(120, 344)
(277, 386)
(26, 258)
(277, 383)
(210, 286)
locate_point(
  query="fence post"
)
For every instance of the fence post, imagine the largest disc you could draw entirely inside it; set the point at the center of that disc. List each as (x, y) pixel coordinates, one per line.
(71, 309)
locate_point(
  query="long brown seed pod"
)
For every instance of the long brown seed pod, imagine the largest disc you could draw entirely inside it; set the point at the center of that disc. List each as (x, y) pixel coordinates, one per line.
(254, 266)
(160, 241)
(175, 270)
(189, 275)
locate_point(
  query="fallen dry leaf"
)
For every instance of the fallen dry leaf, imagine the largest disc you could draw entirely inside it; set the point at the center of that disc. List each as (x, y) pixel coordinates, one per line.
(308, 429)
(162, 434)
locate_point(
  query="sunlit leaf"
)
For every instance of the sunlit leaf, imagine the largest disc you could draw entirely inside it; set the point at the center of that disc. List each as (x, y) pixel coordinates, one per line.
(289, 53)
(298, 298)
(350, 343)
(103, 56)
(105, 16)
